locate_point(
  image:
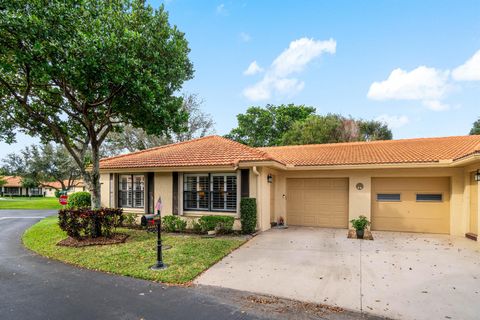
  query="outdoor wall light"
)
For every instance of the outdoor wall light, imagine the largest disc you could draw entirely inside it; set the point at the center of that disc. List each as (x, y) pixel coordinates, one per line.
(477, 175)
(270, 178)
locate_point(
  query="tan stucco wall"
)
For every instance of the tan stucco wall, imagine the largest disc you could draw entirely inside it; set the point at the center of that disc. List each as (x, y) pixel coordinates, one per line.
(360, 200)
(105, 189)
(163, 188)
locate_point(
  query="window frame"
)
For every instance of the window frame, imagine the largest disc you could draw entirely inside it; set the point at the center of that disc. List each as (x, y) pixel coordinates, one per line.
(130, 191)
(430, 193)
(211, 191)
(196, 175)
(389, 200)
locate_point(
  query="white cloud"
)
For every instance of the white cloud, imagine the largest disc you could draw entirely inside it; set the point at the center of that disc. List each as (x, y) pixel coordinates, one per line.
(252, 69)
(425, 84)
(221, 10)
(393, 121)
(245, 37)
(436, 105)
(469, 71)
(294, 59)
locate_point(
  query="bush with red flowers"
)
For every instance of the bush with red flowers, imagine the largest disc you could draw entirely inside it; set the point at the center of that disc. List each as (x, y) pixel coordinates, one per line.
(78, 223)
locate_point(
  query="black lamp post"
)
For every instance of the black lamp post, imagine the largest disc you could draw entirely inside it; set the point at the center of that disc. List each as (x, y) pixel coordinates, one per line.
(158, 221)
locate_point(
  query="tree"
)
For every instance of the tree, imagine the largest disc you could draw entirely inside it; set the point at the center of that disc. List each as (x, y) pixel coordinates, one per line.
(315, 129)
(334, 128)
(475, 128)
(74, 71)
(374, 130)
(2, 181)
(133, 139)
(44, 164)
(260, 127)
(29, 183)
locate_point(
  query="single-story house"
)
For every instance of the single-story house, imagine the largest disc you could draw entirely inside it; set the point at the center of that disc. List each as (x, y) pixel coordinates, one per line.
(14, 187)
(412, 185)
(51, 187)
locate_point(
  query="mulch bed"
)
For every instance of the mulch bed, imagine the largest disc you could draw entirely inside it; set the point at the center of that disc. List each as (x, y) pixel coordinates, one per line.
(100, 241)
(366, 236)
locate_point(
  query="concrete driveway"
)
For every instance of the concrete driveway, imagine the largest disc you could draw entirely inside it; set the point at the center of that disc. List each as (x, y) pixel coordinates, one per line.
(398, 275)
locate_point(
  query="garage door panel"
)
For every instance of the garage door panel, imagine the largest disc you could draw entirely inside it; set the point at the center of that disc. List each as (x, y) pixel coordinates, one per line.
(317, 202)
(408, 214)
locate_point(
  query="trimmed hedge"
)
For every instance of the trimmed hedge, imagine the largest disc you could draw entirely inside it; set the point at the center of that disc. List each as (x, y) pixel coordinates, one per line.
(248, 214)
(221, 224)
(84, 222)
(79, 200)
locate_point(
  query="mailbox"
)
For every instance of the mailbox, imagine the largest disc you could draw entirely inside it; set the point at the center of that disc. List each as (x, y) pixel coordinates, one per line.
(150, 220)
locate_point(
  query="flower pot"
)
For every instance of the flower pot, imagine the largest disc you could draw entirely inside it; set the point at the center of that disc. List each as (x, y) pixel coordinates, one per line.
(360, 234)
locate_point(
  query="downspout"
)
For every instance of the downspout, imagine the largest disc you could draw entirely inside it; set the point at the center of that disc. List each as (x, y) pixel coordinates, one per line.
(255, 171)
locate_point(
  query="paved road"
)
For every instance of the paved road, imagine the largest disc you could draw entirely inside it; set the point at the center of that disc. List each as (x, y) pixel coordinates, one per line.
(33, 287)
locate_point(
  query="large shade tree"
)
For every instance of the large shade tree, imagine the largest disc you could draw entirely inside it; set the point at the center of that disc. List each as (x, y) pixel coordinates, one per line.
(133, 139)
(73, 71)
(260, 127)
(334, 128)
(475, 128)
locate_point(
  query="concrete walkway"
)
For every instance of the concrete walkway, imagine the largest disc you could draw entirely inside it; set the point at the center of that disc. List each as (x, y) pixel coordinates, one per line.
(398, 275)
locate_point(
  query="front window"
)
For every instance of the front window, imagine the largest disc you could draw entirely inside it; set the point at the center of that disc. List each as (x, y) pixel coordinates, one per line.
(35, 191)
(131, 191)
(12, 191)
(210, 192)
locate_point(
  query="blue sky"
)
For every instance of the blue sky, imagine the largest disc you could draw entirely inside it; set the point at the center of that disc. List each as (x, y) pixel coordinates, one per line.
(410, 63)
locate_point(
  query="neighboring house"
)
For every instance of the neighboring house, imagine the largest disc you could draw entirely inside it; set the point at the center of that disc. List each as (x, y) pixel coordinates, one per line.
(51, 187)
(13, 187)
(417, 185)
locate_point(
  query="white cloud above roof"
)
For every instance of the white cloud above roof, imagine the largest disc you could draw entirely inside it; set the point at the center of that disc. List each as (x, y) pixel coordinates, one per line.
(245, 37)
(278, 78)
(253, 69)
(469, 71)
(425, 84)
(393, 121)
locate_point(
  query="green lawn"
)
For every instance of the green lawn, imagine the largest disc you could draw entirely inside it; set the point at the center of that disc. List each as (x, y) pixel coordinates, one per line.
(189, 256)
(29, 203)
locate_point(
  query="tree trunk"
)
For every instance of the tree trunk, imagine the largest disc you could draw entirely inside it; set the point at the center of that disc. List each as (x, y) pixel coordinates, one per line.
(95, 186)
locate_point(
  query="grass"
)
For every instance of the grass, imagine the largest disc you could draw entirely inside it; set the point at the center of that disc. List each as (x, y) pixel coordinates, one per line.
(189, 256)
(30, 203)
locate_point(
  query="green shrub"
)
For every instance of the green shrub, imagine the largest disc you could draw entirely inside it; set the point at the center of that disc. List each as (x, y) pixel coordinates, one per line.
(89, 223)
(129, 219)
(196, 227)
(361, 223)
(248, 215)
(221, 224)
(79, 200)
(174, 224)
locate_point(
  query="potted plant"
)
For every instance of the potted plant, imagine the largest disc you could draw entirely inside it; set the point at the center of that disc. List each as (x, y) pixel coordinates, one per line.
(360, 224)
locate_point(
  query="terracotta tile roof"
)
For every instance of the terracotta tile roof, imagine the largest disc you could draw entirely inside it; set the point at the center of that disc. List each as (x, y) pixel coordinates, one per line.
(58, 185)
(377, 152)
(206, 151)
(219, 151)
(13, 181)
